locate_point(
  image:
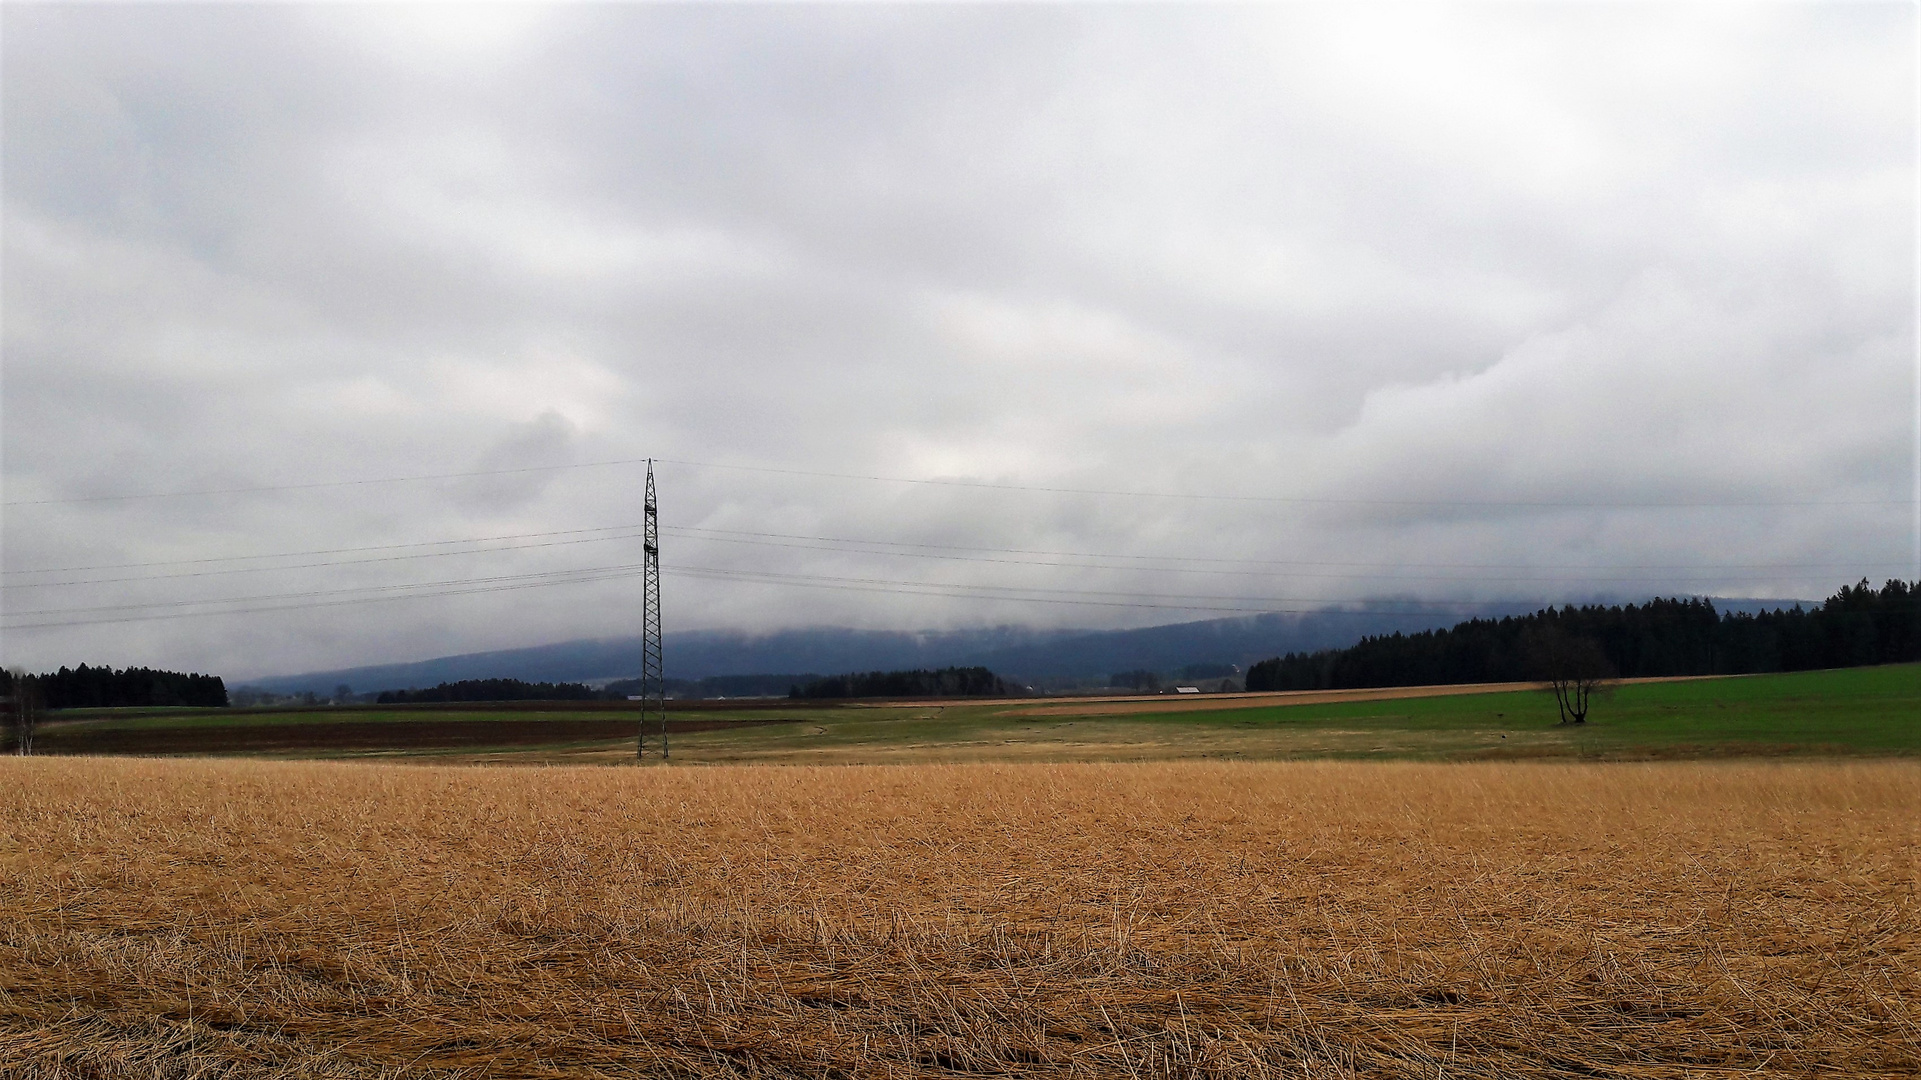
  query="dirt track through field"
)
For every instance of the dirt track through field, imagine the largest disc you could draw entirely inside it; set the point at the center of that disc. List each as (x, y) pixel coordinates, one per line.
(1171, 703)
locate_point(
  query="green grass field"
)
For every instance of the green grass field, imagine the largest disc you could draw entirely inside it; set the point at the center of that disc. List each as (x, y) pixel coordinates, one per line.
(1860, 711)
(1872, 711)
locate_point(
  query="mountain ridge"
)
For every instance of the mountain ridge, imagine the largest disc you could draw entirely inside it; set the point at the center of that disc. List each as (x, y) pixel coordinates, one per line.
(1034, 656)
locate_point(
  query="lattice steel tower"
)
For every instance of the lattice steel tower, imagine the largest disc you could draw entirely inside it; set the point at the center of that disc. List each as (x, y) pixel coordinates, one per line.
(653, 684)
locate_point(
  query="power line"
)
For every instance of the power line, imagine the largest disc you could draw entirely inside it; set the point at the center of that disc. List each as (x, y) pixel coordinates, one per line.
(620, 573)
(1709, 574)
(879, 548)
(865, 546)
(256, 489)
(1413, 607)
(1239, 604)
(556, 575)
(561, 576)
(319, 551)
(980, 484)
(512, 582)
(697, 531)
(314, 565)
(1302, 499)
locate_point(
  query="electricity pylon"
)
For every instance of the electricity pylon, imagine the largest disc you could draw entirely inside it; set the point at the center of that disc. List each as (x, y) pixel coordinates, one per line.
(653, 684)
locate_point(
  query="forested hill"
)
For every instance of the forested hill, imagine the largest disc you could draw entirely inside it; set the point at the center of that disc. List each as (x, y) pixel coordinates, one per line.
(1857, 626)
(102, 687)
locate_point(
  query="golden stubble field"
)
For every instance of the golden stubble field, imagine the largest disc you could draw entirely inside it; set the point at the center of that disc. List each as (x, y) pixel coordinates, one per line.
(268, 919)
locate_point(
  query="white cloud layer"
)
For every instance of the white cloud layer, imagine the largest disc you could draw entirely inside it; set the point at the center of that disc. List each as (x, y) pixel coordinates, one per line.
(1521, 300)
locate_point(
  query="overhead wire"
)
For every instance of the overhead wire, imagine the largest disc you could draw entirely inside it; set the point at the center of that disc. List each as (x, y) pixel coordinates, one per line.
(830, 543)
(255, 489)
(1296, 499)
(511, 582)
(392, 587)
(836, 545)
(318, 551)
(310, 604)
(313, 598)
(1267, 574)
(881, 548)
(961, 483)
(702, 531)
(1029, 592)
(325, 564)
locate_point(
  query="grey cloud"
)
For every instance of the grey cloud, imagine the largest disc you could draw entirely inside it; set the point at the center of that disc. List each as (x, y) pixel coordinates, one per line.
(519, 463)
(1498, 255)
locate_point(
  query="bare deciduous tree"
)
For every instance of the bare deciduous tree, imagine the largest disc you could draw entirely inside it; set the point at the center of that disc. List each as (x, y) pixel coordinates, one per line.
(1574, 668)
(23, 711)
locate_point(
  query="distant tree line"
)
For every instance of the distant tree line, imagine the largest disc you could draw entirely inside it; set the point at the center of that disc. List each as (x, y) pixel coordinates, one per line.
(1857, 626)
(86, 687)
(491, 690)
(715, 686)
(1151, 681)
(947, 682)
(1138, 679)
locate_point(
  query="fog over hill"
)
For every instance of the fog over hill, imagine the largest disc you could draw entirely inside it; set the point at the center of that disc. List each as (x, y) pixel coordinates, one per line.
(1016, 652)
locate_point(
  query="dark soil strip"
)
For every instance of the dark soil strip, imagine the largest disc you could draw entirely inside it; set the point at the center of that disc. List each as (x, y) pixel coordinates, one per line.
(590, 707)
(391, 735)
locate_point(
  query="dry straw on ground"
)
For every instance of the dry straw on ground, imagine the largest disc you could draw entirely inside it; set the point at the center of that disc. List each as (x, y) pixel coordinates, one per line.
(207, 919)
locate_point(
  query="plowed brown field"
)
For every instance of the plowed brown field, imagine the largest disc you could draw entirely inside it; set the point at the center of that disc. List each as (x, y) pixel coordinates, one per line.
(335, 736)
(269, 919)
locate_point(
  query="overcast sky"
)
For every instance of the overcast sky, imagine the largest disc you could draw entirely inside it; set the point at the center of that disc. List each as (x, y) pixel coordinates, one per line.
(1526, 302)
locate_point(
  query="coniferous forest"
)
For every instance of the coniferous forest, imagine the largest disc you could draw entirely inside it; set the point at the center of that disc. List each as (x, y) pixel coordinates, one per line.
(491, 690)
(947, 682)
(87, 687)
(1857, 626)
